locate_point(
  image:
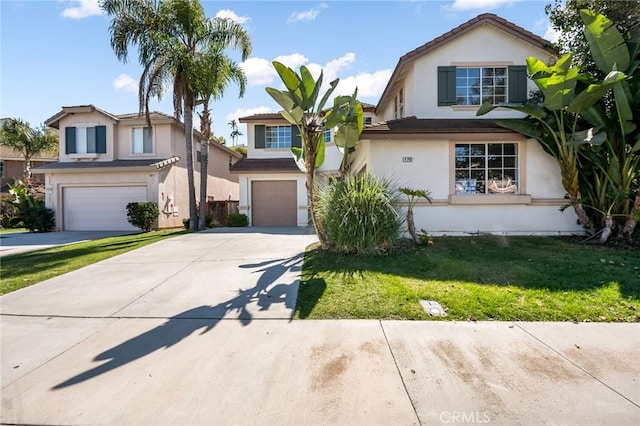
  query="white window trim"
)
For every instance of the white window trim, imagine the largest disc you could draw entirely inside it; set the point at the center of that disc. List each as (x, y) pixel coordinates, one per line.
(278, 148)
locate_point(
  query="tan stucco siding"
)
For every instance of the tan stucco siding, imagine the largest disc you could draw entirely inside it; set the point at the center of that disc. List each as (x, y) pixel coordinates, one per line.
(163, 135)
(222, 184)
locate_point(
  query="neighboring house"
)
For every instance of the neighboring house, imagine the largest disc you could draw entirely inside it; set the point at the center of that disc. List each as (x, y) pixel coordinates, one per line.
(425, 135)
(12, 164)
(272, 188)
(107, 161)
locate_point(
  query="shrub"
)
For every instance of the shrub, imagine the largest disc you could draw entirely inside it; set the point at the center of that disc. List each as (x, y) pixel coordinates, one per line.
(359, 214)
(237, 219)
(31, 212)
(9, 214)
(185, 223)
(142, 214)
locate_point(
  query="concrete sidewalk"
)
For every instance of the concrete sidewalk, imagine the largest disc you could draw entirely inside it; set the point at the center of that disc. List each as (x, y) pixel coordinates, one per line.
(197, 330)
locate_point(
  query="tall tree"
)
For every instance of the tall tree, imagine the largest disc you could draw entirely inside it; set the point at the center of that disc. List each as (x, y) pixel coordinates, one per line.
(213, 72)
(564, 17)
(235, 132)
(29, 142)
(170, 35)
(300, 107)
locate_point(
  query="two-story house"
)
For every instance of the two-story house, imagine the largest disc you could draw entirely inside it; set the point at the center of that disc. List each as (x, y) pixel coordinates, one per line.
(425, 135)
(107, 161)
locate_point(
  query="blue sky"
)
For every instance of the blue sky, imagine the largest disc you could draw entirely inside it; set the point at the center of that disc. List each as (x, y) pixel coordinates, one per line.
(56, 53)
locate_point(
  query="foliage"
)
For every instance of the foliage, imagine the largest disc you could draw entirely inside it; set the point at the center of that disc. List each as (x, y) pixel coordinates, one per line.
(25, 269)
(240, 149)
(413, 196)
(564, 16)
(301, 107)
(29, 142)
(360, 214)
(235, 132)
(476, 278)
(237, 220)
(143, 214)
(172, 37)
(9, 215)
(32, 213)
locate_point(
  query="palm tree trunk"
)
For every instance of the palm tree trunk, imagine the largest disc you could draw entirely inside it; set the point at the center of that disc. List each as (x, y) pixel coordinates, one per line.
(630, 223)
(412, 226)
(204, 175)
(310, 164)
(188, 129)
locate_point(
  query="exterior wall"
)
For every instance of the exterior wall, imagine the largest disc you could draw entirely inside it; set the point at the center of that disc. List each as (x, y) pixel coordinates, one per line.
(164, 138)
(221, 184)
(88, 119)
(170, 187)
(486, 45)
(534, 211)
(252, 152)
(245, 192)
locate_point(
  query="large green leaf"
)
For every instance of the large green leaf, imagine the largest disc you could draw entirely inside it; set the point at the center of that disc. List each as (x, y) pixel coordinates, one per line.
(347, 135)
(309, 88)
(594, 92)
(325, 98)
(320, 150)
(288, 76)
(608, 47)
(559, 89)
(282, 98)
(623, 106)
(524, 127)
(528, 108)
(298, 157)
(590, 136)
(595, 115)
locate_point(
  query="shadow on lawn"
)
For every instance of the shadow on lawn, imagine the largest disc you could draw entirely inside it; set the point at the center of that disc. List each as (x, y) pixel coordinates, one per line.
(265, 293)
(552, 263)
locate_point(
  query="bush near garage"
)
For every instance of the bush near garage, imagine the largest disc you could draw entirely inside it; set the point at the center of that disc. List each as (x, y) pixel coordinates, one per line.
(143, 214)
(237, 219)
(31, 212)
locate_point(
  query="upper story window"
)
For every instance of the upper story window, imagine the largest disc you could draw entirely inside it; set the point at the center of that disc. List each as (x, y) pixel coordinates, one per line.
(486, 168)
(327, 136)
(367, 120)
(476, 85)
(398, 104)
(1, 168)
(276, 137)
(141, 140)
(85, 140)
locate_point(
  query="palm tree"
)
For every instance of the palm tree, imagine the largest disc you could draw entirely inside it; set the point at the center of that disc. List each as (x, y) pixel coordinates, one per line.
(18, 134)
(212, 74)
(234, 132)
(170, 35)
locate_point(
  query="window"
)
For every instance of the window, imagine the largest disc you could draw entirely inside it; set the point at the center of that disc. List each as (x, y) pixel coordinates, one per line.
(401, 103)
(84, 140)
(395, 108)
(327, 136)
(486, 168)
(476, 85)
(367, 120)
(1, 168)
(278, 137)
(141, 141)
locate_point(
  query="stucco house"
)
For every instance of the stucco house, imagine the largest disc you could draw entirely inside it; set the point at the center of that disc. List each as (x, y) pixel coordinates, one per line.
(107, 161)
(424, 133)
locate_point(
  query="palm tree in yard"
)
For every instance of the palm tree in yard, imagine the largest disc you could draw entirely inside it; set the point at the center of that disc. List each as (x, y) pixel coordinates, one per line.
(234, 132)
(171, 35)
(212, 74)
(29, 142)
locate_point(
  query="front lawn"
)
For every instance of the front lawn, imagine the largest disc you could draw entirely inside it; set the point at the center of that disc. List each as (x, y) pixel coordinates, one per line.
(24, 269)
(477, 278)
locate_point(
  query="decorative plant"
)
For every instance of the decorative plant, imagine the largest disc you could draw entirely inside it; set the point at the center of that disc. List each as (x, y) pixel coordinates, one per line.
(33, 213)
(413, 196)
(143, 214)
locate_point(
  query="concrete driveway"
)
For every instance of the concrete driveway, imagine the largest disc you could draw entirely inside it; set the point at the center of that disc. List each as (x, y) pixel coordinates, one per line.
(197, 330)
(22, 242)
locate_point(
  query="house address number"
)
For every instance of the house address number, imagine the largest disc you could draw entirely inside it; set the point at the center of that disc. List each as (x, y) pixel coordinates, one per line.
(407, 159)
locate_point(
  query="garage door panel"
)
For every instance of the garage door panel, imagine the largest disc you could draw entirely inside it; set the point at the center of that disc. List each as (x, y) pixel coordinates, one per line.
(99, 208)
(274, 203)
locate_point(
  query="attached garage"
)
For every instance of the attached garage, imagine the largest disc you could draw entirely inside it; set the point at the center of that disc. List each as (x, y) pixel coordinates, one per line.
(90, 208)
(274, 203)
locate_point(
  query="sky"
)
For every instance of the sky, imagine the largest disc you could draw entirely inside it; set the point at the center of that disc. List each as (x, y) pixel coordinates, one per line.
(57, 53)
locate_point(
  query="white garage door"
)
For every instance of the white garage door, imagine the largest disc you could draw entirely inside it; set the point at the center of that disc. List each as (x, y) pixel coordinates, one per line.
(274, 203)
(101, 208)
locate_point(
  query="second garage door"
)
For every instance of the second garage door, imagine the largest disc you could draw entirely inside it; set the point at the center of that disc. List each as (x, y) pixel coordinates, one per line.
(101, 208)
(274, 203)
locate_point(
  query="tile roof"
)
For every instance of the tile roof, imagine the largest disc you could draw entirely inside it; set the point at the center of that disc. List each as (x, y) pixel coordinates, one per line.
(265, 165)
(485, 18)
(276, 115)
(413, 125)
(147, 162)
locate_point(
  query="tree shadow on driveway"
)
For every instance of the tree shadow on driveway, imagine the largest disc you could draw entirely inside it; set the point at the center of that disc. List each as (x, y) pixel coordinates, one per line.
(206, 317)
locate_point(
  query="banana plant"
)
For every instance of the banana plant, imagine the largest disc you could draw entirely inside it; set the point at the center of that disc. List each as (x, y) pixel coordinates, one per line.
(301, 108)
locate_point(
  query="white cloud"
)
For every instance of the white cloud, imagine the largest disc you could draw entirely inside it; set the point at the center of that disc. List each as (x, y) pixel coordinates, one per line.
(230, 14)
(126, 83)
(80, 9)
(293, 61)
(460, 5)
(244, 112)
(333, 67)
(307, 15)
(551, 34)
(259, 71)
(370, 85)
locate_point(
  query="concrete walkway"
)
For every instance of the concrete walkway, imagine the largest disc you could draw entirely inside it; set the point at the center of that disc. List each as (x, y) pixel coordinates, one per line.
(197, 330)
(22, 242)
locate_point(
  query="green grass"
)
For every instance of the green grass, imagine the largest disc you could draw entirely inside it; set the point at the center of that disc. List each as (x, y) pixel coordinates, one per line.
(477, 278)
(12, 230)
(24, 269)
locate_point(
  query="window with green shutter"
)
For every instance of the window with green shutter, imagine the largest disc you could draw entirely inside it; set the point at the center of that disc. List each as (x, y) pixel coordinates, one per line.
(83, 140)
(477, 85)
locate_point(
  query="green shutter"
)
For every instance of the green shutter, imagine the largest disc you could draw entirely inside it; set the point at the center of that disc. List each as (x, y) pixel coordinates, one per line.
(446, 86)
(296, 140)
(101, 139)
(70, 140)
(259, 139)
(147, 145)
(517, 84)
